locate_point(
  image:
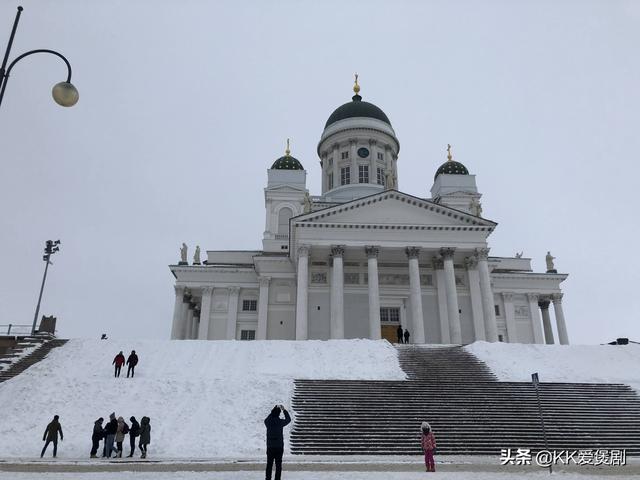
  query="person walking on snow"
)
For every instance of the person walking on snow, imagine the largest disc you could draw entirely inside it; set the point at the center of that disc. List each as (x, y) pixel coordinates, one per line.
(121, 432)
(134, 431)
(118, 361)
(275, 440)
(96, 436)
(406, 335)
(399, 332)
(145, 435)
(51, 435)
(132, 361)
(428, 442)
(109, 435)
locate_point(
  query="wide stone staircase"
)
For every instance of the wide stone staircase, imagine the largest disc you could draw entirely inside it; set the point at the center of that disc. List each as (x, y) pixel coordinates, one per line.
(469, 410)
(17, 362)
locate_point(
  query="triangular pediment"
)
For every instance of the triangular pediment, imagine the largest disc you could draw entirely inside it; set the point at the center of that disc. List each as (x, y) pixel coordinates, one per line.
(393, 208)
(285, 188)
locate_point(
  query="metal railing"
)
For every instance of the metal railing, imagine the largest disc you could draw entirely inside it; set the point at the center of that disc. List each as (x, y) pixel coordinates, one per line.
(15, 329)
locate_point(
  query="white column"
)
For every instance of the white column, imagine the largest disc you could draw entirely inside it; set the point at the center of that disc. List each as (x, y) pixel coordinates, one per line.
(563, 336)
(205, 313)
(534, 313)
(354, 160)
(189, 324)
(510, 317)
(416, 295)
(336, 165)
(373, 159)
(263, 308)
(302, 294)
(337, 293)
(476, 297)
(488, 305)
(452, 295)
(184, 315)
(374, 293)
(546, 321)
(177, 312)
(232, 312)
(195, 324)
(438, 266)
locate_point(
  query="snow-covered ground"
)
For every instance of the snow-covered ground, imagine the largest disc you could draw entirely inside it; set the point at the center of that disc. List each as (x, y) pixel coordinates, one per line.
(205, 399)
(515, 362)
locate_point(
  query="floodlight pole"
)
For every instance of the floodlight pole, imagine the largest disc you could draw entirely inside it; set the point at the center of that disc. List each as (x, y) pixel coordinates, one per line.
(50, 248)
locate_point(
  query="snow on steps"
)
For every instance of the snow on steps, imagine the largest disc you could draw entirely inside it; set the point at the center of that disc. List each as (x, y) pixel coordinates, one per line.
(205, 399)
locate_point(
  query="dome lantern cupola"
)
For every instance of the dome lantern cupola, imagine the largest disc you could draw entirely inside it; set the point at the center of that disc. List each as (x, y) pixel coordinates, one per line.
(287, 162)
(451, 167)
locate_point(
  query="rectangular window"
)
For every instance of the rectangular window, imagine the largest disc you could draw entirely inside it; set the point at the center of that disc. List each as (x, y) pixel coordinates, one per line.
(497, 307)
(363, 173)
(247, 334)
(351, 278)
(380, 176)
(330, 181)
(380, 156)
(345, 155)
(345, 176)
(249, 305)
(390, 314)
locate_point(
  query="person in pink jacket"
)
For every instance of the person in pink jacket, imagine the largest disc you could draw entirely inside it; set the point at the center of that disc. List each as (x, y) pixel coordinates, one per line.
(428, 442)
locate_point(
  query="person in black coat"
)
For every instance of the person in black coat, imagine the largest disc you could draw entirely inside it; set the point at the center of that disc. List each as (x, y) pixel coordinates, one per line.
(110, 435)
(399, 332)
(275, 440)
(134, 431)
(96, 436)
(132, 361)
(406, 335)
(51, 435)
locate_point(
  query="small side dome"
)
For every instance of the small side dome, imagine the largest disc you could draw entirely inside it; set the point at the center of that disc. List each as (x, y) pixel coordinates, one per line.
(451, 167)
(287, 162)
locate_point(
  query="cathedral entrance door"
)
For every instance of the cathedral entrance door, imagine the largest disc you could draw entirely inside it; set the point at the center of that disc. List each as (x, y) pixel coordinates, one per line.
(389, 321)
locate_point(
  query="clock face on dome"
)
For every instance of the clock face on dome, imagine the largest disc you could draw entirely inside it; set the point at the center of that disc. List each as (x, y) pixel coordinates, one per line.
(363, 152)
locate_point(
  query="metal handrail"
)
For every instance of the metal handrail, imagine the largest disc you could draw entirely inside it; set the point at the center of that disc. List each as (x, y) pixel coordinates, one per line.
(17, 329)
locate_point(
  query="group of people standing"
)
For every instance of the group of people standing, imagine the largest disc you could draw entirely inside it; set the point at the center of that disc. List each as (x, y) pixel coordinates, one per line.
(115, 431)
(132, 361)
(403, 337)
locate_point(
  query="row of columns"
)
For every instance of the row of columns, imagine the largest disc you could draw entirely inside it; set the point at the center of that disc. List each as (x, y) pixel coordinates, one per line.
(191, 321)
(482, 296)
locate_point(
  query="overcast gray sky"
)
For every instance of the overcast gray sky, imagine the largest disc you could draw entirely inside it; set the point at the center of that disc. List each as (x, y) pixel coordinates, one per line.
(185, 104)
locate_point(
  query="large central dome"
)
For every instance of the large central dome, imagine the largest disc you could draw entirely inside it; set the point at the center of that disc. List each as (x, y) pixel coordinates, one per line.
(357, 108)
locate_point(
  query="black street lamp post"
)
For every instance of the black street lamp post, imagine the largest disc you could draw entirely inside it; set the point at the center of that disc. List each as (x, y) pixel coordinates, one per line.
(64, 93)
(50, 248)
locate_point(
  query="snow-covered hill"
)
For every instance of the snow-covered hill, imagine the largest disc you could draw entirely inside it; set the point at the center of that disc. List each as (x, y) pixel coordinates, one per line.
(205, 399)
(515, 362)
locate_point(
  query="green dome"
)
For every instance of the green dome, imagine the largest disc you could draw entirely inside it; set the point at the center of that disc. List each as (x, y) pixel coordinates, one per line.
(451, 167)
(357, 108)
(287, 163)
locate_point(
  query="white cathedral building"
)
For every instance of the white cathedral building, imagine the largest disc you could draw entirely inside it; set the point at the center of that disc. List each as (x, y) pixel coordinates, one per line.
(363, 257)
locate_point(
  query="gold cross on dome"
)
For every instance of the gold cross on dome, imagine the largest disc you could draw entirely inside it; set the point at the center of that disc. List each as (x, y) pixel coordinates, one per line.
(287, 152)
(356, 87)
(449, 156)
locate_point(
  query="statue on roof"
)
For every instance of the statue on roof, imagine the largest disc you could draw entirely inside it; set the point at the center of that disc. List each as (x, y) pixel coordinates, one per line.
(196, 256)
(550, 266)
(476, 207)
(307, 203)
(183, 254)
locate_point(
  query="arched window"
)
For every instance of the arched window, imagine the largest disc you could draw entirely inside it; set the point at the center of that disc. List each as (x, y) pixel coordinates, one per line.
(283, 220)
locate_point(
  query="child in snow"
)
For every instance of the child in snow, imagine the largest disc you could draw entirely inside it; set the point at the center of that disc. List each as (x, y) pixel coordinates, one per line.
(428, 446)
